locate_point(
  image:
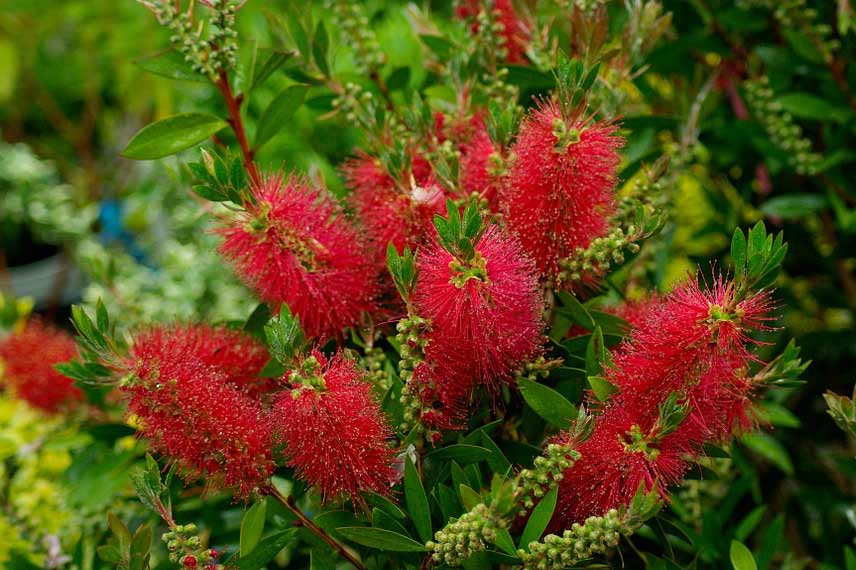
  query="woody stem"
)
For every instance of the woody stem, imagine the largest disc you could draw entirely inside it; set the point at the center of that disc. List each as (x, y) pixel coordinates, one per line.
(288, 503)
(233, 105)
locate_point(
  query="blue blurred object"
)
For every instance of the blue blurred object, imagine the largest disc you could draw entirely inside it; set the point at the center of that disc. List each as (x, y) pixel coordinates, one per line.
(113, 230)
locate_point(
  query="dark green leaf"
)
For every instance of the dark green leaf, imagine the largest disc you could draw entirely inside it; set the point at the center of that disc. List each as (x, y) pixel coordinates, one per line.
(547, 403)
(171, 135)
(320, 46)
(539, 519)
(461, 453)
(252, 527)
(279, 112)
(380, 539)
(266, 550)
(417, 501)
(170, 64)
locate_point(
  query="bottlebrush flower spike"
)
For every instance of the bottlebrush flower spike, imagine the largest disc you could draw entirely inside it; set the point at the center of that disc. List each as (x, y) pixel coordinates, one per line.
(695, 341)
(390, 213)
(623, 453)
(560, 189)
(237, 356)
(486, 302)
(334, 433)
(26, 366)
(480, 168)
(194, 413)
(294, 246)
(515, 32)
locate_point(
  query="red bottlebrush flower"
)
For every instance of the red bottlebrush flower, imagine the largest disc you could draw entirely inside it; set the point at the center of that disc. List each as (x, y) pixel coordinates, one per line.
(694, 342)
(334, 432)
(237, 356)
(560, 189)
(515, 32)
(620, 456)
(478, 172)
(194, 413)
(294, 246)
(389, 213)
(490, 311)
(27, 359)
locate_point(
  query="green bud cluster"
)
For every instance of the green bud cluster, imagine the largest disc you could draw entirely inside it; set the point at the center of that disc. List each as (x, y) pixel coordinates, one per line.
(796, 14)
(307, 376)
(361, 108)
(532, 484)
(581, 541)
(223, 34)
(780, 127)
(208, 55)
(185, 548)
(535, 369)
(599, 256)
(354, 25)
(465, 536)
(412, 344)
(374, 361)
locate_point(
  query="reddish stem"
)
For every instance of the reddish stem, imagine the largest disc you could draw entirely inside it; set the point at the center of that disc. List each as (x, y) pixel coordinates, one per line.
(288, 503)
(233, 105)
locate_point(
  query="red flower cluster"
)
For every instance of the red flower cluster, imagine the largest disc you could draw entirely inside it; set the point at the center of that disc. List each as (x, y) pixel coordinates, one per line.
(693, 343)
(560, 189)
(294, 246)
(192, 406)
(238, 356)
(27, 359)
(485, 317)
(334, 432)
(388, 212)
(515, 31)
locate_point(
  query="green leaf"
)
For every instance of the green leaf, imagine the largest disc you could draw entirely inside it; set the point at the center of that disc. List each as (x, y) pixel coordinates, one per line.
(171, 135)
(252, 527)
(602, 389)
(268, 62)
(547, 403)
(793, 206)
(768, 447)
(505, 542)
(539, 519)
(382, 519)
(738, 253)
(109, 553)
(320, 45)
(849, 558)
(469, 497)
(773, 537)
(748, 524)
(597, 355)
(121, 532)
(380, 539)
(417, 501)
(257, 320)
(279, 112)
(572, 307)
(170, 64)
(741, 557)
(808, 106)
(265, 550)
(141, 548)
(462, 453)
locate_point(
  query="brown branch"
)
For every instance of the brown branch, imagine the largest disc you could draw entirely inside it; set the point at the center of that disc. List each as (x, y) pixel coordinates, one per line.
(233, 104)
(288, 502)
